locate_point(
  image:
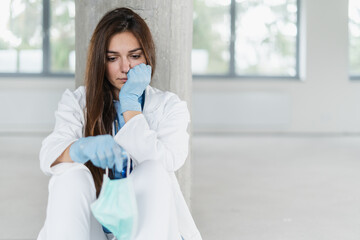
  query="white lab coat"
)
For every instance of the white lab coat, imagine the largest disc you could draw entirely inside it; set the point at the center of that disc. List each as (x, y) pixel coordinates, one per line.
(159, 133)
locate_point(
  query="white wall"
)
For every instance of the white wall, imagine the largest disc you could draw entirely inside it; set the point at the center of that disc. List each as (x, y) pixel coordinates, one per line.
(323, 101)
(28, 105)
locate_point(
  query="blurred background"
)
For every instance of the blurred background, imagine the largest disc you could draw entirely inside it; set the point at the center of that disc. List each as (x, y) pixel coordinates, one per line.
(275, 115)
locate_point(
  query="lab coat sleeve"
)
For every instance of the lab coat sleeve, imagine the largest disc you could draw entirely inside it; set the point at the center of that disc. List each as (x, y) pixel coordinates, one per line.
(69, 122)
(167, 143)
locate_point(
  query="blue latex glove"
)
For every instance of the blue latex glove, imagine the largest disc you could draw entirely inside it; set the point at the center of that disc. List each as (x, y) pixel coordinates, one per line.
(138, 79)
(101, 150)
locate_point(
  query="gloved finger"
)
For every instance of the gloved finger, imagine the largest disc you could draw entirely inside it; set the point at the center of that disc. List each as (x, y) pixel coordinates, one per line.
(101, 159)
(117, 157)
(118, 163)
(134, 69)
(138, 70)
(124, 157)
(140, 66)
(109, 158)
(145, 70)
(143, 67)
(148, 68)
(117, 150)
(92, 157)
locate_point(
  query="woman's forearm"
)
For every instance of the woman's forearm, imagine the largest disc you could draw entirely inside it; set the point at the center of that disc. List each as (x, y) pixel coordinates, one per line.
(64, 157)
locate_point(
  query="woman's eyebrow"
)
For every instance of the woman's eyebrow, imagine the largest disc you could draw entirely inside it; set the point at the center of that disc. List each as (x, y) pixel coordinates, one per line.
(114, 52)
(131, 51)
(134, 50)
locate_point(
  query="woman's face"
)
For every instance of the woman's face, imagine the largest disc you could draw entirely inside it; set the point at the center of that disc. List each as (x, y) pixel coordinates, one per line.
(123, 53)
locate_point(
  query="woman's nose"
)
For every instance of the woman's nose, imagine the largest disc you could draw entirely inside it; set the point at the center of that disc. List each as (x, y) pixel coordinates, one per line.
(125, 66)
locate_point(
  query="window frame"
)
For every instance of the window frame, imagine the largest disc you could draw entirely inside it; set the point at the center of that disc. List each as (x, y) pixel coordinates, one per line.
(46, 51)
(231, 74)
(351, 76)
(354, 77)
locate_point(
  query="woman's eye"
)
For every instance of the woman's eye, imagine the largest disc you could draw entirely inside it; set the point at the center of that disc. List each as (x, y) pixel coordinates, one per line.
(135, 56)
(111, 59)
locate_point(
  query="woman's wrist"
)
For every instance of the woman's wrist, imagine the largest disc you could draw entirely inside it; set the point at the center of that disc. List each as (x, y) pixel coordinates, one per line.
(130, 114)
(64, 157)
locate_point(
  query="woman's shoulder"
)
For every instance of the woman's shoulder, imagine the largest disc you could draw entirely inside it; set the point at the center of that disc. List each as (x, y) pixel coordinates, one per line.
(74, 98)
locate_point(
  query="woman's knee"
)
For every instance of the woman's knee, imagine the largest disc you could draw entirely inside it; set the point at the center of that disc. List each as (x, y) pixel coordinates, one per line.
(71, 182)
(71, 191)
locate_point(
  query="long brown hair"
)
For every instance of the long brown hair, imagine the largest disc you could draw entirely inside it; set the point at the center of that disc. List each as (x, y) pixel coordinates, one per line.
(100, 110)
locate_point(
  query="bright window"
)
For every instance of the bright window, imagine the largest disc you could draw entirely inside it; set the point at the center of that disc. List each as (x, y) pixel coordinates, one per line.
(238, 38)
(211, 37)
(38, 37)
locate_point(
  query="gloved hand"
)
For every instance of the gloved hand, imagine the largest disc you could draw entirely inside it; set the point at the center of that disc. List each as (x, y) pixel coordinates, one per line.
(101, 150)
(138, 79)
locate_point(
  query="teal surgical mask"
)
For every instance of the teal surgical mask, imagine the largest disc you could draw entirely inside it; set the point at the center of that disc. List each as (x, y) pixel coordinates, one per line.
(116, 207)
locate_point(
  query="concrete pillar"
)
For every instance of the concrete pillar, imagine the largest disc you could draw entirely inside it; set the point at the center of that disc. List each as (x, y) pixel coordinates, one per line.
(171, 25)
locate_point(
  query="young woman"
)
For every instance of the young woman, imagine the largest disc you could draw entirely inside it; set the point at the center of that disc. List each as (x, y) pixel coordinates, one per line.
(117, 110)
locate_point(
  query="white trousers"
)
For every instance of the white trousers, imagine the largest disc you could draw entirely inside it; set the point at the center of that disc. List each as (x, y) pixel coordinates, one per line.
(72, 190)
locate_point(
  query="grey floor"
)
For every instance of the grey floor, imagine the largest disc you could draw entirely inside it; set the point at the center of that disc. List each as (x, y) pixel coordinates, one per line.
(244, 187)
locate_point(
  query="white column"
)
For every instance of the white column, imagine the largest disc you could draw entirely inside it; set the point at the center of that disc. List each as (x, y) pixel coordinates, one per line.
(171, 26)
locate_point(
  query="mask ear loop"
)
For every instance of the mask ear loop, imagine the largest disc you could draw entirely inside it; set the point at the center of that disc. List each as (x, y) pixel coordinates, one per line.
(107, 171)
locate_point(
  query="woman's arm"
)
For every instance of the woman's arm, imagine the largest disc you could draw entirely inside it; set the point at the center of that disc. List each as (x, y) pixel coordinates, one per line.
(69, 125)
(101, 150)
(64, 157)
(166, 141)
